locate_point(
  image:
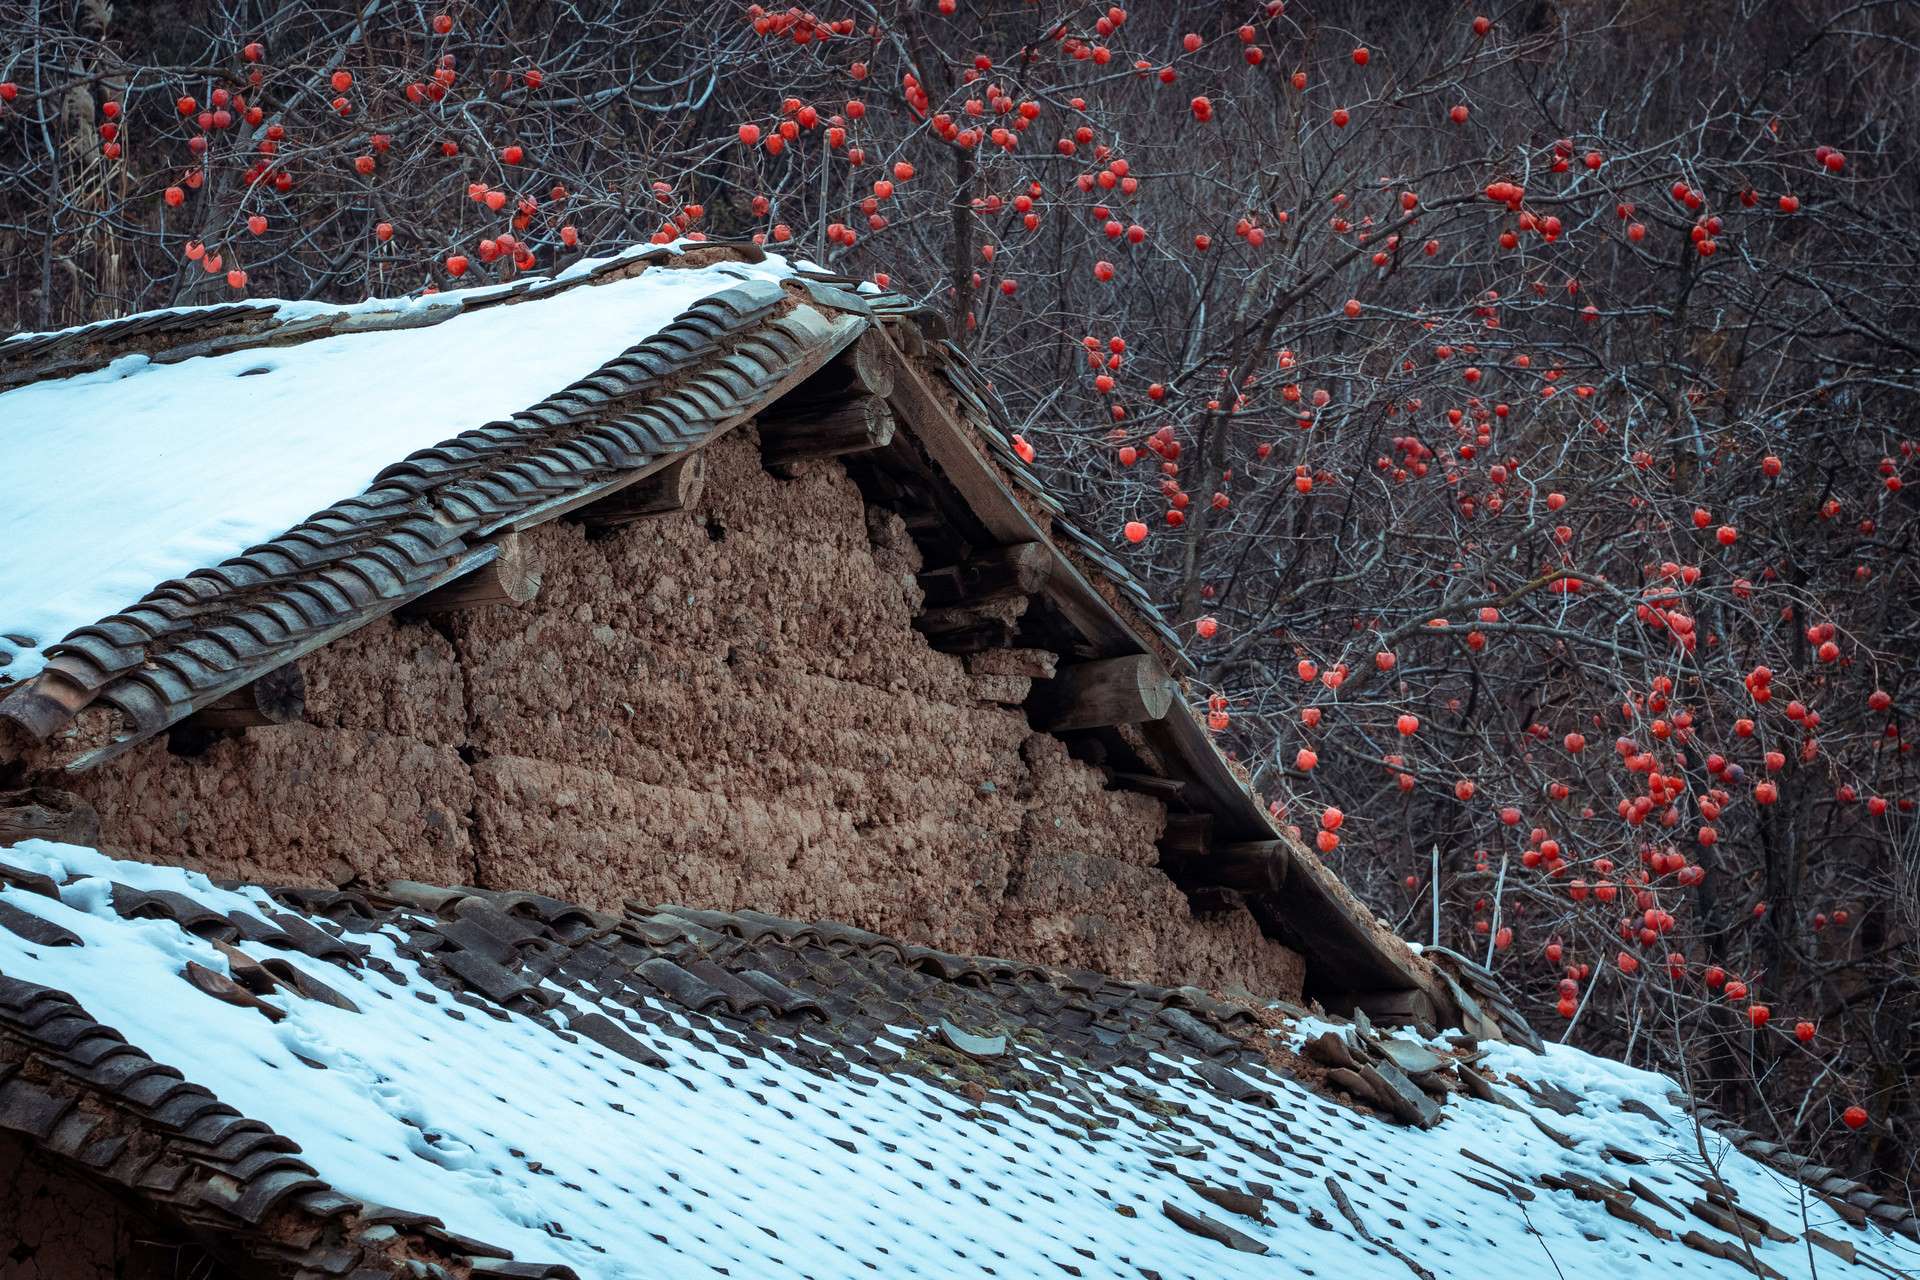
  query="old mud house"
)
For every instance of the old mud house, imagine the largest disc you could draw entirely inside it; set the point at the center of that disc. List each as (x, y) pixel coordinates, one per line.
(689, 578)
(764, 613)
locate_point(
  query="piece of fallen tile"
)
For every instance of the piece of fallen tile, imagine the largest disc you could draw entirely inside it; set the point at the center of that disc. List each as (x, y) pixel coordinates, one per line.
(1731, 1252)
(245, 970)
(32, 881)
(1838, 1248)
(302, 983)
(1651, 1196)
(1232, 1199)
(1400, 1095)
(1330, 1049)
(1558, 1099)
(1621, 1208)
(966, 1042)
(1480, 1087)
(1552, 1132)
(225, 989)
(1347, 1080)
(1734, 1220)
(1640, 1108)
(1414, 1059)
(1484, 1186)
(1201, 1225)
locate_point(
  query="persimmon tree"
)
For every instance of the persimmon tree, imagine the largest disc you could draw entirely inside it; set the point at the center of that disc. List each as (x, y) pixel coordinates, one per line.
(1513, 405)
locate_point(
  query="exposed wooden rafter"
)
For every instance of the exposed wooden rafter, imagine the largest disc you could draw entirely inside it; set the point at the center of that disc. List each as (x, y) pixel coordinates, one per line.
(675, 487)
(509, 578)
(278, 697)
(1292, 894)
(996, 573)
(1187, 836)
(861, 369)
(1135, 689)
(825, 430)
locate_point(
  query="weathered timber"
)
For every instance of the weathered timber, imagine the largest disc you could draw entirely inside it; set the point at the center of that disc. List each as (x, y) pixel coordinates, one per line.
(1017, 570)
(988, 497)
(1188, 835)
(47, 813)
(1251, 866)
(862, 369)
(278, 697)
(923, 520)
(1095, 695)
(972, 628)
(1397, 1007)
(853, 426)
(1343, 947)
(675, 487)
(1150, 784)
(1034, 664)
(509, 578)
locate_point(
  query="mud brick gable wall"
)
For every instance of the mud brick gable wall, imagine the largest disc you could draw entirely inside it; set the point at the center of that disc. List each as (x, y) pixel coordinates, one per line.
(725, 708)
(56, 1226)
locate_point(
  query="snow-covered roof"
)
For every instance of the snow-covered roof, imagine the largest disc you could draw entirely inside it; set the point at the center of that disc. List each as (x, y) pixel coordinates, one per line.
(121, 477)
(675, 1093)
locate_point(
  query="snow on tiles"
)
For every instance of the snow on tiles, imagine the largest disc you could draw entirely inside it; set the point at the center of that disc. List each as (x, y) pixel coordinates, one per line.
(747, 1162)
(201, 459)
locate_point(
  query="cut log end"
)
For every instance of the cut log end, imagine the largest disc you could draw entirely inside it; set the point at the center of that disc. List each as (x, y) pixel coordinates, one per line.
(832, 431)
(1112, 691)
(675, 487)
(509, 578)
(278, 697)
(1021, 569)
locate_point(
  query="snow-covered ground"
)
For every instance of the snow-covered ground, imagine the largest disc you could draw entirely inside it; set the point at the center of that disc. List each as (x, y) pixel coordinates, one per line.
(763, 1168)
(114, 481)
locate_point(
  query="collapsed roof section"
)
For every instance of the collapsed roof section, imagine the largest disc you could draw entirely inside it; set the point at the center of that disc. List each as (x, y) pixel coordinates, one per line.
(433, 1081)
(824, 367)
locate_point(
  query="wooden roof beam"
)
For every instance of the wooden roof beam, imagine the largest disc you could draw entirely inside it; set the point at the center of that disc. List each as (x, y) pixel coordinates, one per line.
(996, 573)
(828, 431)
(508, 578)
(674, 488)
(1135, 689)
(278, 697)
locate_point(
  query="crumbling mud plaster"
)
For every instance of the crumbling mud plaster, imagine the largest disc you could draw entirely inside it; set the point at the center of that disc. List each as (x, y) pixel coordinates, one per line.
(726, 708)
(54, 1226)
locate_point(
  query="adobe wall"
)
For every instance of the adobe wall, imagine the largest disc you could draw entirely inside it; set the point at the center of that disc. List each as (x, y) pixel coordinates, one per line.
(725, 708)
(54, 1226)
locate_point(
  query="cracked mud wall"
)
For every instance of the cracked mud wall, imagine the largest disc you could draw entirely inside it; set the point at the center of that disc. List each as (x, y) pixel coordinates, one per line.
(726, 708)
(55, 1226)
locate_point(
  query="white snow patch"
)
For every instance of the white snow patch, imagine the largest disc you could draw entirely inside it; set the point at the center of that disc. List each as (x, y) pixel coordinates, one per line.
(114, 481)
